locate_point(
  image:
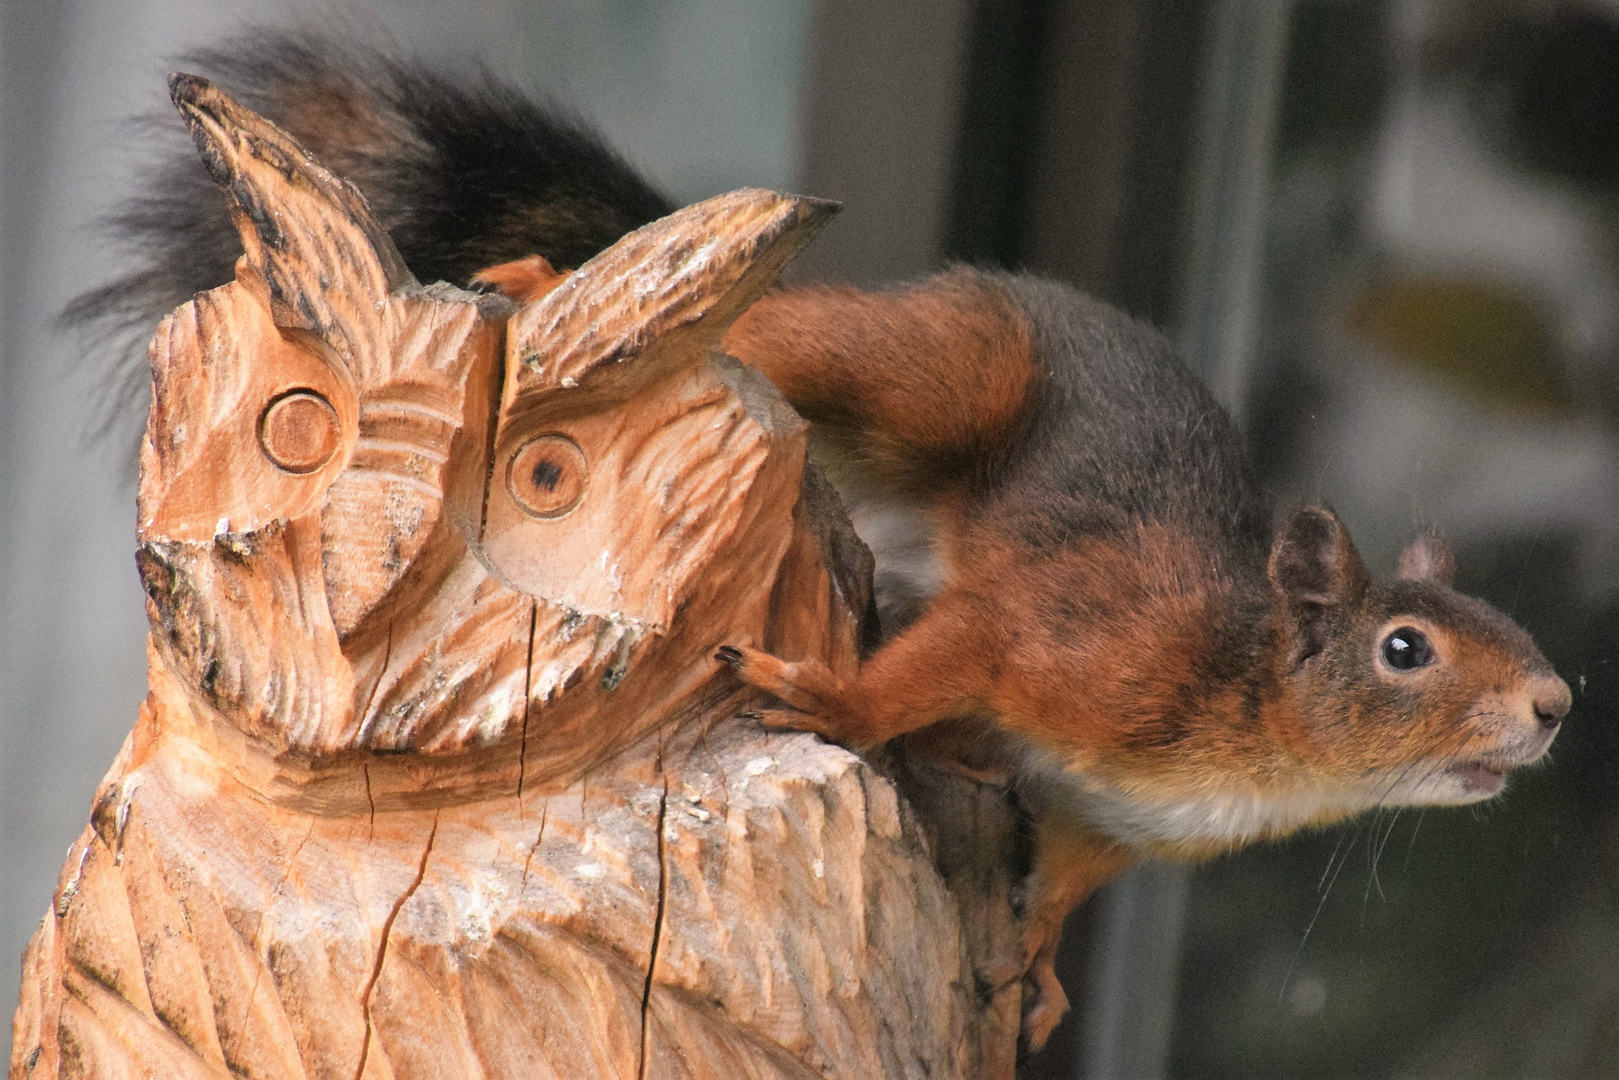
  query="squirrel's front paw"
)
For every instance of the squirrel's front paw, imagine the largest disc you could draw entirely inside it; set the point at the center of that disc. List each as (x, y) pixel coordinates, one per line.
(809, 689)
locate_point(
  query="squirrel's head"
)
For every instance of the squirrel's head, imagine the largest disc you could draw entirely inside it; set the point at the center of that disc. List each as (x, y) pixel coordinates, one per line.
(1406, 690)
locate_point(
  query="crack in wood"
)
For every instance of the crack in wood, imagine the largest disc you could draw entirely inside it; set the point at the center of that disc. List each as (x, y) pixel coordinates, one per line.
(382, 948)
(528, 705)
(545, 812)
(258, 931)
(657, 919)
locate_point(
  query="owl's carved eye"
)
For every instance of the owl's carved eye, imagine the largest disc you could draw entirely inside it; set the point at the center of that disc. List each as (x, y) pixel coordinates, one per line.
(1407, 649)
(299, 432)
(547, 476)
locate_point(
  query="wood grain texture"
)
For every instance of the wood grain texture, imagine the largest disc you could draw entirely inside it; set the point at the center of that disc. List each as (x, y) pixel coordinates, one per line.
(513, 937)
(439, 780)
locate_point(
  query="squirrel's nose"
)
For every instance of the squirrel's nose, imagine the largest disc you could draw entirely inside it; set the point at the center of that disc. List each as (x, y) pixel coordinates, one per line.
(1552, 701)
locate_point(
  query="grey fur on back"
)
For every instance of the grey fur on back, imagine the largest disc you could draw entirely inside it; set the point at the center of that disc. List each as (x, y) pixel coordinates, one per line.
(1119, 431)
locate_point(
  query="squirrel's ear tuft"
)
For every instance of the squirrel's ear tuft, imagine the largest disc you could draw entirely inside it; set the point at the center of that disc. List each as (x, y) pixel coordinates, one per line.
(1314, 562)
(1427, 558)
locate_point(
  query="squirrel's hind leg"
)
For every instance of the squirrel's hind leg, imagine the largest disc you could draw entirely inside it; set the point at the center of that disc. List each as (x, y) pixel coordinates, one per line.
(1070, 862)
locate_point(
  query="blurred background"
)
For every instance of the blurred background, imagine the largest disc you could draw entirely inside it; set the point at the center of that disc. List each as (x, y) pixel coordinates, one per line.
(1387, 232)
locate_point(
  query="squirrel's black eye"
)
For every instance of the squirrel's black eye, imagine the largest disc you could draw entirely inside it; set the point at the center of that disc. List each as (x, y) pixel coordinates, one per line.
(1407, 648)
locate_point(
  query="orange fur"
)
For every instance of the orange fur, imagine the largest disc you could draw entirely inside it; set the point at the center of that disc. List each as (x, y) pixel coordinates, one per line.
(1063, 683)
(1170, 701)
(954, 374)
(523, 280)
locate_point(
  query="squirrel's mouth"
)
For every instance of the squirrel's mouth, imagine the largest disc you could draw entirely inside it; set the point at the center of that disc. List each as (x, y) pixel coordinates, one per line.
(1479, 777)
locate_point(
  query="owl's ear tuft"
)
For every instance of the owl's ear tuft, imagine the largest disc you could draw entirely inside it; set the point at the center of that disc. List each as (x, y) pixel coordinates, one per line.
(307, 234)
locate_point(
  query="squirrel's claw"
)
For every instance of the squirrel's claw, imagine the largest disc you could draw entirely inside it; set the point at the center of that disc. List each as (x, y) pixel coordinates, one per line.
(787, 720)
(784, 720)
(802, 686)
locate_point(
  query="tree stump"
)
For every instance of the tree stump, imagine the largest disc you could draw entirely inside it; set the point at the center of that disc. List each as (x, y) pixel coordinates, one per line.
(437, 776)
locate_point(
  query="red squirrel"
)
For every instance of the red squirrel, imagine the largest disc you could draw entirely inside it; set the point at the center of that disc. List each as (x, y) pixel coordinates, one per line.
(1072, 552)
(1073, 536)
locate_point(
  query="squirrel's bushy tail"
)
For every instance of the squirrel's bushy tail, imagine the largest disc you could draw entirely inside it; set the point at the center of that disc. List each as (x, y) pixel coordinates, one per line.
(463, 171)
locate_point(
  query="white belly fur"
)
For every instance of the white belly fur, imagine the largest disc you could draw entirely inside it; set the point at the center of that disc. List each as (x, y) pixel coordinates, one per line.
(1224, 818)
